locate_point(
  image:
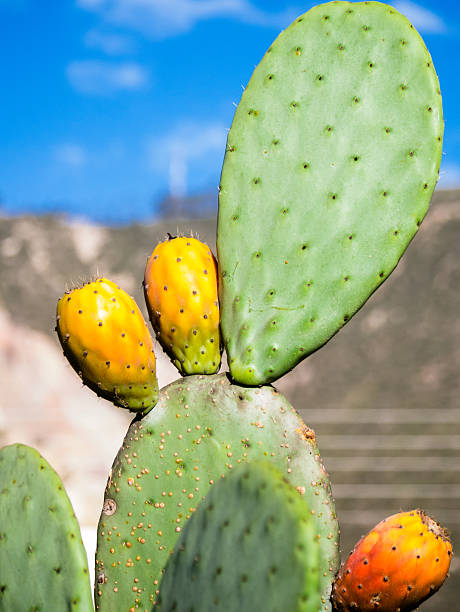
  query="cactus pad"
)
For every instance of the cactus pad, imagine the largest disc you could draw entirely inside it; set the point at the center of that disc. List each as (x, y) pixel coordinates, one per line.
(251, 545)
(201, 428)
(42, 559)
(331, 161)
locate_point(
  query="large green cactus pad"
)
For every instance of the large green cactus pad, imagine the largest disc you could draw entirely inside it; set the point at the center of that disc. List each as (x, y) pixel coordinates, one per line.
(331, 161)
(201, 428)
(251, 545)
(43, 563)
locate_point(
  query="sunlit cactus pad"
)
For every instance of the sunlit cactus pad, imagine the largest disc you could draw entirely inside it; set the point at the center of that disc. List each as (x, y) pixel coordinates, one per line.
(202, 428)
(251, 545)
(330, 165)
(43, 563)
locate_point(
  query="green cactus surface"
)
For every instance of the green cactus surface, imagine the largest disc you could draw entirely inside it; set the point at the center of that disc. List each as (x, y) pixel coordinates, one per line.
(43, 563)
(251, 545)
(331, 162)
(201, 428)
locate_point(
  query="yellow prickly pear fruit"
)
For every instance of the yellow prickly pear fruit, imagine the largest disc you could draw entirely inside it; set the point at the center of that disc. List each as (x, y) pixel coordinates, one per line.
(106, 340)
(180, 287)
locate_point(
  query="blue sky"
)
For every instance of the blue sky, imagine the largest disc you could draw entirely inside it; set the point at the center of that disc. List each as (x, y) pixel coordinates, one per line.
(109, 105)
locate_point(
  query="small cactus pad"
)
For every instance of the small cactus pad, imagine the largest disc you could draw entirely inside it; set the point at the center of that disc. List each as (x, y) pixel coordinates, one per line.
(43, 563)
(106, 340)
(180, 287)
(251, 545)
(331, 161)
(399, 564)
(201, 428)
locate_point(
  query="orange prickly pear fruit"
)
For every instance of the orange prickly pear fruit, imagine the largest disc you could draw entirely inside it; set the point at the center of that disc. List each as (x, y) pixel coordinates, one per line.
(106, 340)
(180, 287)
(395, 567)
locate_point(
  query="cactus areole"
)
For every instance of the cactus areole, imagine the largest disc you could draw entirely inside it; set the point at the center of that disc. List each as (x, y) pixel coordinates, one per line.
(331, 161)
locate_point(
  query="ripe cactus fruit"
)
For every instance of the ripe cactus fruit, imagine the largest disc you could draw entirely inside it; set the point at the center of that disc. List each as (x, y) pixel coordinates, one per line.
(106, 340)
(331, 161)
(180, 286)
(43, 563)
(202, 428)
(395, 567)
(250, 545)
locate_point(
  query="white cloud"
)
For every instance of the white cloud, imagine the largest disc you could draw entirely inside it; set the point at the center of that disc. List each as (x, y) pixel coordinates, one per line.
(187, 143)
(449, 176)
(105, 78)
(423, 19)
(160, 18)
(110, 44)
(70, 154)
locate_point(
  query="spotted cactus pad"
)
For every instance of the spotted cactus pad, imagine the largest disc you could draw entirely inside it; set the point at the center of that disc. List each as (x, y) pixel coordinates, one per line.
(202, 428)
(43, 563)
(251, 545)
(331, 161)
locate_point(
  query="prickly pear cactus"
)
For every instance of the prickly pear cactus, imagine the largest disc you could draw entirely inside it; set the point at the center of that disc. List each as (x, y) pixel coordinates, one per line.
(106, 340)
(201, 428)
(180, 287)
(399, 564)
(251, 545)
(331, 161)
(43, 563)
